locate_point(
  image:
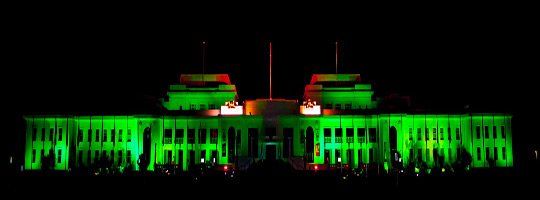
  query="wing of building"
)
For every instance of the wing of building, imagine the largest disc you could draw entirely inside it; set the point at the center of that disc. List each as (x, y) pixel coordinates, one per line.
(340, 124)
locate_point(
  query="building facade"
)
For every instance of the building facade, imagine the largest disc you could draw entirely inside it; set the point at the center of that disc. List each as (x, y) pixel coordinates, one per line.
(339, 125)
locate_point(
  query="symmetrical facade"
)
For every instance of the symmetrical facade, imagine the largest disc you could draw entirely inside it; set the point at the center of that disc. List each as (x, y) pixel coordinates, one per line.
(339, 125)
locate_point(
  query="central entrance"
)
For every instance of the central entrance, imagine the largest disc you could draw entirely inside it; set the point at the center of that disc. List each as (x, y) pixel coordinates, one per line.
(271, 152)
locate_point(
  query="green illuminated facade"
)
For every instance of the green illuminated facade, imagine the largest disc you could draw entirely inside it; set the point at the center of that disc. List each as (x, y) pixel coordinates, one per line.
(350, 132)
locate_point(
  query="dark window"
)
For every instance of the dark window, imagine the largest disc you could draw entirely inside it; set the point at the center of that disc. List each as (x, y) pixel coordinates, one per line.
(179, 136)
(494, 132)
(478, 153)
(361, 132)
(128, 156)
(503, 153)
(96, 155)
(192, 107)
(372, 135)
(120, 154)
(80, 135)
(349, 133)
(419, 154)
(495, 154)
(487, 153)
(503, 134)
(105, 135)
(478, 132)
(80, 157)
(167, 138)
(287, 142)
(347, 106)
(113, 135)
(43, 134)
(458, 134)
(420, 133)
(213, 136)
(411, 153)
(129, 135)
(370, 155)
(486, 132)
(212, 106)
(442, 134)
(43, 154)
(253, 142)
(202, 107)
(191, 136)
(97, 136)
(104, 155)
(112, 156)
(271, 133)
(33, 155)
(34, 134)
(410, 133)
(60, 134)
(120, 135)
(51, 134)
(338, 106)
(328, 106)
(339, 135)
(59, 155)
(327, 132)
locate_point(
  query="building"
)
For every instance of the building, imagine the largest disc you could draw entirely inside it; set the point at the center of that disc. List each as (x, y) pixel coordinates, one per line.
(340, 124)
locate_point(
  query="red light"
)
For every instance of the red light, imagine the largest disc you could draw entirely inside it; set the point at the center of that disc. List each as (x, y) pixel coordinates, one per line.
(225, 167)
(204, 42)
(316, 167)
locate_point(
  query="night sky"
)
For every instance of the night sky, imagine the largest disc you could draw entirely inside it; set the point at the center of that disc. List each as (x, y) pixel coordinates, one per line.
(121, 65)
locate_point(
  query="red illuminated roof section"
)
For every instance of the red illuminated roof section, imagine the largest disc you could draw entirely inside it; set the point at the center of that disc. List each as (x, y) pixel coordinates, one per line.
(197, 79)
(318, 78)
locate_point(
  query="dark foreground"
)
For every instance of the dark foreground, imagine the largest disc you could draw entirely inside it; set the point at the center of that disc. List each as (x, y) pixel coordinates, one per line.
(273, 178)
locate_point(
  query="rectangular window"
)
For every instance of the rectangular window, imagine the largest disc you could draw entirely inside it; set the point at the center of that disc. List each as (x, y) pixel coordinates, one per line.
(370, 155)
(128, 156)
(89, 157)
(495, 154)
(458, 134)
(34, 134)
(120, 155)
(80, 157)
(42, 134)
(288, 148)
(113, 135)
(478, 132)
(59, 155)
(442, 130)
(80, 136)
(89, 135)
(503, 153)
(450, 154)
(224, 149)
(327, 133)
(478, 153)
(486, 132)
(120, 135)
(112, 156)
(42, 155)
(202, 107)
(441, 133)
(410, 133)
(339, 135)
(361, 132)
(372, 135)
(328, 106)
(411, 153)
(212, 106)
(419, 133)
(104, 155)
(167, 137)
(349, 133)
(104, 135)
(192, 107)
(503, 134)
(96, 155)
(202, 136)
(97, 135)
(347, 106)
(129, 135)
(494, 132)
(487, 153)
(419, 154)
(213, 136)
(191, 136)
(427, 155)
(179, 136)
(33, 156)
(51, 134)
(338, 106)
(59, 134)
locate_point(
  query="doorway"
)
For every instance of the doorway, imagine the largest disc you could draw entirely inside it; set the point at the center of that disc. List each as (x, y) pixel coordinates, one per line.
(271, 152)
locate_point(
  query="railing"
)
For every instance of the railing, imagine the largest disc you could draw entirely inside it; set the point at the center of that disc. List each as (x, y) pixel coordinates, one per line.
(361, 140)
(167, 140)
(213, 140)
(327, 140)
(178, 140)
(339, 139)
(350, 139)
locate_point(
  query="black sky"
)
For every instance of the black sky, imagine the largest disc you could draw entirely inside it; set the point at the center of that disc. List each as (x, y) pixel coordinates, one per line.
(115, 64)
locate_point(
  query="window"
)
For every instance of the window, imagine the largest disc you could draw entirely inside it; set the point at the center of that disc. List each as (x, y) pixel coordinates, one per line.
(34, 134)
(42, 134)
(179, 136)
(80, 136)
(372, 135)
(112, 156)
(167, 137)
(51, 134)
(180, 108)
(486, 132)
(503, 153)
(347, 106)
(33, 156)
(478, 153)
(192, 107)
(59, 155)
(419, 154)
(120, 157)
(495, 154)
(59, 134)
(339, 135)
(202, 107)
(129, 135)
(89, 135)
(494, 132)
(370, 155)
(349, 133)
(80, 157)
(450, 154)
(113, 135)
(442, 133)
(104, 135)
(212, 106)
(327, 135)
(427, 155)
(410, 134)
(487, 153)
(503, 134)
(97, 135)
(42, 154)
(96, 155)
(477, 132)
(202, 136)
(89, 157)
(338, 106)
(191, 136)
(213, 136)
(120, 135)
(361, 132)
(128, 156)
(328, 106)
(419, 133)
(458, 133)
